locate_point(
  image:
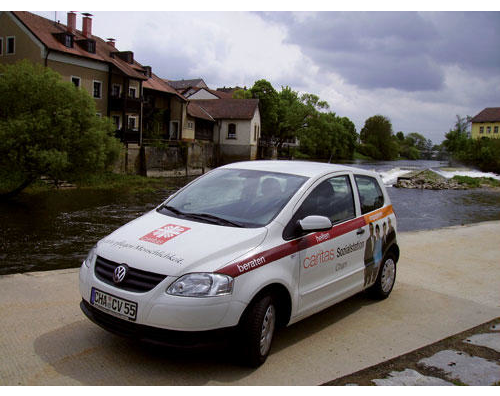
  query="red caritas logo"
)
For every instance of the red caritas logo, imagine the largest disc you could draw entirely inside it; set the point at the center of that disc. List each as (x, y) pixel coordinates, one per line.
(164, 234)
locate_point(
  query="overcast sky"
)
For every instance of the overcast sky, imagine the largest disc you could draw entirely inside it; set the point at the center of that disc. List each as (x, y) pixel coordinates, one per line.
(419, 69)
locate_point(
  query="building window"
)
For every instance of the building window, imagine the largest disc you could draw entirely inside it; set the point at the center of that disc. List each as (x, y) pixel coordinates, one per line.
(97, 89)
(76, 80)
(116, 90)
(131, 92)
(11, 45)
(68, 41)
(91, 46)
(481, 129)
(98, 115)
(1, 46)
(231, 131)
(190, 125)
(488, 129)
(495, 129)
(132, 123)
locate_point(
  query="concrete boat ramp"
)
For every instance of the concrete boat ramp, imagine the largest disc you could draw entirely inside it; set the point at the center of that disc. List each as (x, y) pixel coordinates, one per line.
(447, 282)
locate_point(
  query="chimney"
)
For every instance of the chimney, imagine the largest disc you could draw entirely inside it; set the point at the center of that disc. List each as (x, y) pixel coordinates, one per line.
(71, 25)
(111, 41)
(87, 25)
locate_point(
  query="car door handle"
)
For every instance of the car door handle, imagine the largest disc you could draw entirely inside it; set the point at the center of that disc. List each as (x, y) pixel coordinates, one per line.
(360, 231)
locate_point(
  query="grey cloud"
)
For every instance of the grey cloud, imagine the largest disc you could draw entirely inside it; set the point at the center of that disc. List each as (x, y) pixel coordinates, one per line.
(169, 65)
(469, 39)
(402, 50)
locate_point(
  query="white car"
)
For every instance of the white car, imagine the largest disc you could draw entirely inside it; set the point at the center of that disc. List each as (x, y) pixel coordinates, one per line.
(242, 249)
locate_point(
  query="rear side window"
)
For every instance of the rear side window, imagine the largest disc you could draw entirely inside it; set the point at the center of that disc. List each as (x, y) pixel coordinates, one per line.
(370, 193)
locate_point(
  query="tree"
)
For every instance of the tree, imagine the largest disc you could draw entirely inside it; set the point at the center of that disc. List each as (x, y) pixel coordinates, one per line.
(457, 140)
(49, 128)
(268, 106)
(284, 115)
(378, 139)
(287, 114)
(294, 114)
(328, 137)
(462, 123)
(242, 94)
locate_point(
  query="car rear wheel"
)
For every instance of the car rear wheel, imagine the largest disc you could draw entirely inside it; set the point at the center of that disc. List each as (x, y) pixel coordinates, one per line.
(385, 279)
(258, 328)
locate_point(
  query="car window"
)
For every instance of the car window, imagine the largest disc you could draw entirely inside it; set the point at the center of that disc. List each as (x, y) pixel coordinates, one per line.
(332, 198)
(370, 193)
(248, 198)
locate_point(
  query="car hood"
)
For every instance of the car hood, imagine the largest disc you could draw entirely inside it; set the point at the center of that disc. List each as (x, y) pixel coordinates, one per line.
(172, 246)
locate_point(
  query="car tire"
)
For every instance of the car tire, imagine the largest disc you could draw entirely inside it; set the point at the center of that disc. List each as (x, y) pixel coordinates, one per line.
(258, 327)
(385, 279)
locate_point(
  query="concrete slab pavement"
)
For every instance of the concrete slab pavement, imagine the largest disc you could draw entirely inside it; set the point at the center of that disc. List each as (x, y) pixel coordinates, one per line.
(447, 282)
(470, 370)
(410, 377)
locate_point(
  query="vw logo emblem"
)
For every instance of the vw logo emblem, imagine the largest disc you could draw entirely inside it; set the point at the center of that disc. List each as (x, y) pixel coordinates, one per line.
(120, 273)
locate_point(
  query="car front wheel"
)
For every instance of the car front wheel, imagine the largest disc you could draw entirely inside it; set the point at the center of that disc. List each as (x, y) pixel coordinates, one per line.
(258, 329)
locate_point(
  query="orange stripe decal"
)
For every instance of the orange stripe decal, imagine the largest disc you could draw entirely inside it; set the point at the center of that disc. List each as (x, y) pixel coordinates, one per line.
(378, 214)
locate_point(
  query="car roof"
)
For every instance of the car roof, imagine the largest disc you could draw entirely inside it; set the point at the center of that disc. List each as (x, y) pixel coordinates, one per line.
(301, 168)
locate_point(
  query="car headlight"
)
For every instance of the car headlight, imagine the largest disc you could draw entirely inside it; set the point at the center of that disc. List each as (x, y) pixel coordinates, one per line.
(91, 257)
(201, 285)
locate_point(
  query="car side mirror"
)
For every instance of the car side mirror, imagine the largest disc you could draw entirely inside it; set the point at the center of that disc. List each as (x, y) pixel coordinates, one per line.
(315, 223)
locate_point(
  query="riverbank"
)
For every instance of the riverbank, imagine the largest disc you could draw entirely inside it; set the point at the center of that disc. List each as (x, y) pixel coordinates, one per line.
(126, 183)
(414, 174)
(446, 284)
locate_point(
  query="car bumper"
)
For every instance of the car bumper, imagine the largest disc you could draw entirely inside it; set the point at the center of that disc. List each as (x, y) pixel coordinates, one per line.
(156, 335)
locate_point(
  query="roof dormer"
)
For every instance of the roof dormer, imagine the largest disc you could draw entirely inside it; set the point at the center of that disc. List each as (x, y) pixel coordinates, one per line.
(127, 56)
(65, 38)
(88, 45)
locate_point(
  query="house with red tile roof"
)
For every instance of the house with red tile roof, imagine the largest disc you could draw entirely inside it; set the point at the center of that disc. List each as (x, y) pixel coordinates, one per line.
(233, 124)
(143, 106)
(486, 124)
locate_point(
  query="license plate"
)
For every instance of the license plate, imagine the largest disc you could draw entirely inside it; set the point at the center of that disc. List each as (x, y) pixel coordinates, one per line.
(114, 305)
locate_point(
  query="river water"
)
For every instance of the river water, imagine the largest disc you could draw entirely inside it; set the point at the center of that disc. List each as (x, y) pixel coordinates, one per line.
(54, 230)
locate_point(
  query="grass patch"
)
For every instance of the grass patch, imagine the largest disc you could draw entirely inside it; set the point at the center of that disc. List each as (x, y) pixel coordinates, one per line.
(358, 156)
(107, 181)
(430, 176)
(476, 182)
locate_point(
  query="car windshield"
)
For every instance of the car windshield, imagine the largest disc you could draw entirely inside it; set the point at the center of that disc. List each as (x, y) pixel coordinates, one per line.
(234, 197)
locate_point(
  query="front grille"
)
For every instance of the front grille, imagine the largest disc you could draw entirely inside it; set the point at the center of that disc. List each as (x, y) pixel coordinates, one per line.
(136, 280)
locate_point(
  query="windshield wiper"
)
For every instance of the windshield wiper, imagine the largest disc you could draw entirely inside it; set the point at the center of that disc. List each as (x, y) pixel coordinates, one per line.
(202, 216)
(213, 219)
(172, 209)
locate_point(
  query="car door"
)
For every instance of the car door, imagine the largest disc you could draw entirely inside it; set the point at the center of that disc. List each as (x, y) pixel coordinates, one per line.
(377, 217)
(331, 262)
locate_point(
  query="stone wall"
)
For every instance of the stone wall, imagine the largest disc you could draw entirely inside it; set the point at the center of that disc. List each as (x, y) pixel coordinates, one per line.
(185, 159)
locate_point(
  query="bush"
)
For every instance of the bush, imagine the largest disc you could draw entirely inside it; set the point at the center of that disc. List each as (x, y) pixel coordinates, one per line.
(48, 127)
